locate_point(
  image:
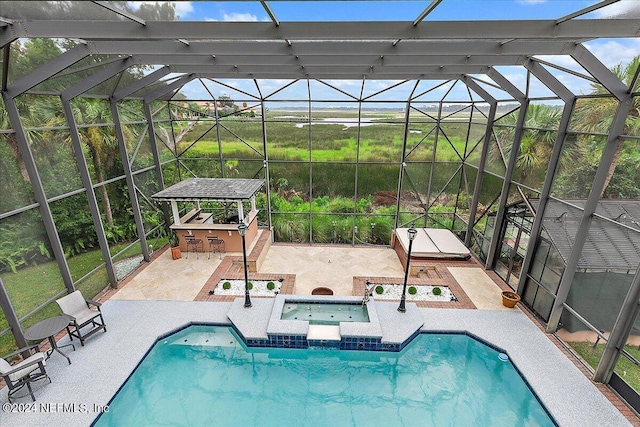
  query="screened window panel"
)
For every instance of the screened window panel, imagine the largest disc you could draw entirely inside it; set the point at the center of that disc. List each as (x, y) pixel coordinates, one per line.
(15, 187)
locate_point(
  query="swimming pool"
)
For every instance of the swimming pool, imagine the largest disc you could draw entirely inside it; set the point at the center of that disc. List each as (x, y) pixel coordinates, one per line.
(204, 375)
(324, 313)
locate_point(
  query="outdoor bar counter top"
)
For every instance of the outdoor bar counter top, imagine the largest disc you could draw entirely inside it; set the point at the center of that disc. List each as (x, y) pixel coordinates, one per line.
(200, 225)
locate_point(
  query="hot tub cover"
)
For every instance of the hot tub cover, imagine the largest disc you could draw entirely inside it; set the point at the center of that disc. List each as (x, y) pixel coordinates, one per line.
(433, 243)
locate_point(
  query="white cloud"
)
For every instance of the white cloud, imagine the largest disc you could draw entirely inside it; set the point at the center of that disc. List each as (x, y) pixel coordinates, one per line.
(345, 84)
(575, 84)
(564, 61)
(183, 8)
(612, 52)
(483, 77)
(239, 17)
(621, 9)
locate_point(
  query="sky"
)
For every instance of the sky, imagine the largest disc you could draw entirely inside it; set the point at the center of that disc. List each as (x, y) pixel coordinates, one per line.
(397, 10)
(609, 51)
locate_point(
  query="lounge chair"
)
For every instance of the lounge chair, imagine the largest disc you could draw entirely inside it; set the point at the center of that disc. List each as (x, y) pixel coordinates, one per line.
(23, 373)
(79, 310)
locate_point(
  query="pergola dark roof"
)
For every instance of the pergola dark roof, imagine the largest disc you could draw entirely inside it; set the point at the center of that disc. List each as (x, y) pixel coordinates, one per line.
(610, 244)
(212, 189)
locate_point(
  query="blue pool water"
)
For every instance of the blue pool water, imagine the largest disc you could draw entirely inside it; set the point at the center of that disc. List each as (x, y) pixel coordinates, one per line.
(204, 376)
(325, 313)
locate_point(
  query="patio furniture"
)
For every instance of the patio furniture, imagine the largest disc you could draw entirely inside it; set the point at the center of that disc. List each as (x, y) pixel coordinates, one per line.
(193, 244)
(79, 309)
(49, 328)
(23, 373)
(215, 245)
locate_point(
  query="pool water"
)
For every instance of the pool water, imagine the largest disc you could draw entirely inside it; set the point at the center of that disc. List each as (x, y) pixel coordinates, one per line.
(204, 376)
(325, 313)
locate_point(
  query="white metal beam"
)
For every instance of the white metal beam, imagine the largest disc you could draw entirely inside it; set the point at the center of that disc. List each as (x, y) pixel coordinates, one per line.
(335, 48)
(272, 15)
(428, 10)
(300, 72)
(296, 31)
(95, 79)
(47, 70)
(120, 12)
(602, 74)
(337, 60)
(141, 83)
(586, 10)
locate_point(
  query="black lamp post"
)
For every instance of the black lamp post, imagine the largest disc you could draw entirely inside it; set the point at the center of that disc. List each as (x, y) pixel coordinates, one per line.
(242, 229)
(412, 235)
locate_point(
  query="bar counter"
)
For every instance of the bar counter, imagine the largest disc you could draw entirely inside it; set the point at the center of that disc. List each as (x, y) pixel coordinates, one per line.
(201, 225)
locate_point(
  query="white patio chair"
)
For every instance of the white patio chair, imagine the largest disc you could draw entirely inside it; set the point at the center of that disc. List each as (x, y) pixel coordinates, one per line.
(79, 310)
(23, 373)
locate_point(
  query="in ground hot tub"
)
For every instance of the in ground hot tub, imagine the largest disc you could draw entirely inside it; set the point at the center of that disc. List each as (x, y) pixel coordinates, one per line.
(325, 312)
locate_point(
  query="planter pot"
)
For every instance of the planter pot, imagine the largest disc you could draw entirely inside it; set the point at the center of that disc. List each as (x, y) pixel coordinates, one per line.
(510, 299)
(176, 253)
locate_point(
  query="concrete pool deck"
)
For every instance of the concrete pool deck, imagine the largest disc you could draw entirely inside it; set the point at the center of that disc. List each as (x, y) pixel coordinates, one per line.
(311, 266)
(100, 367)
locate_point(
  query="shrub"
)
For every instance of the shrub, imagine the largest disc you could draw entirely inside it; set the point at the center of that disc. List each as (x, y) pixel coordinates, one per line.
(226, 285)
(340, 205)
(173, 239)
(271, 286)
(412, 290)
(249, 285)
(437, 291)
(379, 290)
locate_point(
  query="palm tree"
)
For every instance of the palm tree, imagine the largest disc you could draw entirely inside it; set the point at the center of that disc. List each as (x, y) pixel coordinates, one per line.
(595, 115)
(536, 143)
(100, 141)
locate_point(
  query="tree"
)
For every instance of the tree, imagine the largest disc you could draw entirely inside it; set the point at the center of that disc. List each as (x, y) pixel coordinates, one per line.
(227, 105)
(595, 115)
(153, 11)
(101, 143)
(536, 143)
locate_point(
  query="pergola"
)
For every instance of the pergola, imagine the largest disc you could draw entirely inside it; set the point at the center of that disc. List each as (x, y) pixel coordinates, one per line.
(180, 52)
(211, 189)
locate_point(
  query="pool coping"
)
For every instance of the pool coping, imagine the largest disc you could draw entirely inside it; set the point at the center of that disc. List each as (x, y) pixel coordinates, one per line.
(388, 329)
(278, 326)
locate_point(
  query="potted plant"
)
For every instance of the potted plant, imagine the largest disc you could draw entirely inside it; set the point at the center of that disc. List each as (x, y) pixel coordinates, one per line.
(510, 299)
(175, 245)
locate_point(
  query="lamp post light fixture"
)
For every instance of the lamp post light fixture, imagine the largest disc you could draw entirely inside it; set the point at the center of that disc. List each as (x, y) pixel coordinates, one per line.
(411, 232)
(242, 229)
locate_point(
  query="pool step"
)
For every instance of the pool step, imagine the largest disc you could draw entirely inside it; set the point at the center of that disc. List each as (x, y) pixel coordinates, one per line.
(218, 338)
(323, 333)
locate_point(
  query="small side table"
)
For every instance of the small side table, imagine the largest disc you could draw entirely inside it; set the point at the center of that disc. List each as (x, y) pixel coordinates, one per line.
(49, 328)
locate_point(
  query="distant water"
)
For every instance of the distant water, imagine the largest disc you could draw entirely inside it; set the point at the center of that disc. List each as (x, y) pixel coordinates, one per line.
(347, 122)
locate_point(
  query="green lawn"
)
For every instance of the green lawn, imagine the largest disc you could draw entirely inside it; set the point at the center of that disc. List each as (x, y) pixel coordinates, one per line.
(33, 286)
(625, 368)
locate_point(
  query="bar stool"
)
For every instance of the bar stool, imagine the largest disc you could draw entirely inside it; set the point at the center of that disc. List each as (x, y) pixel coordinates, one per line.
(215, 245)
(193, 243)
